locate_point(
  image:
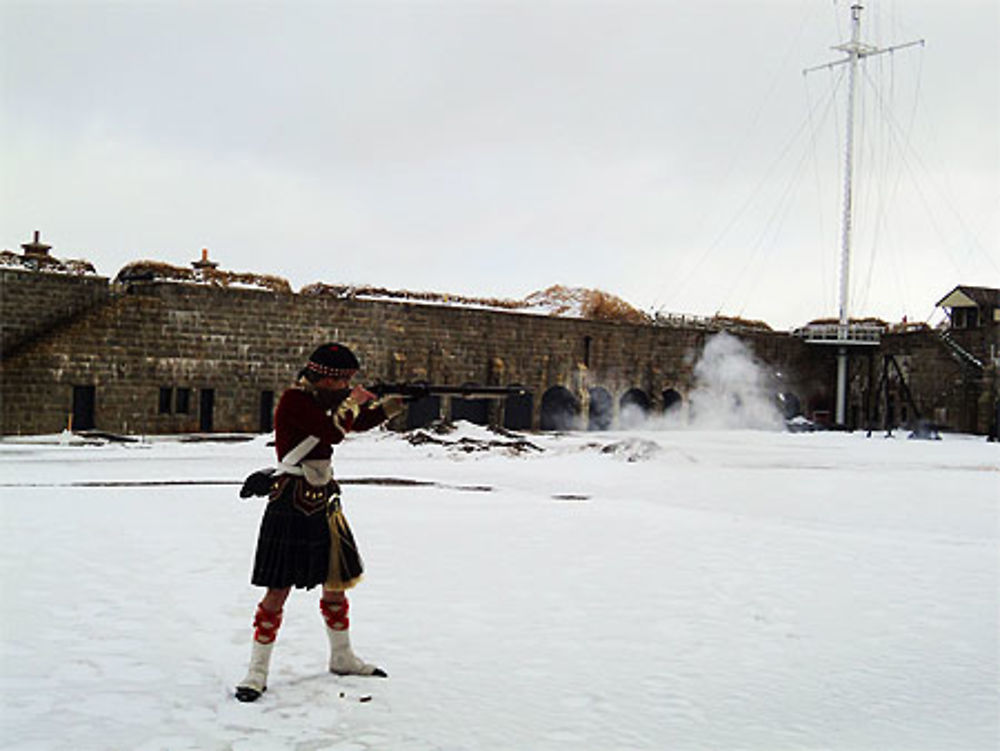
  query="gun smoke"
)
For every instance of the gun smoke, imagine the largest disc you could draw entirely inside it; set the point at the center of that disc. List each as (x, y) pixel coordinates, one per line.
(733, 391)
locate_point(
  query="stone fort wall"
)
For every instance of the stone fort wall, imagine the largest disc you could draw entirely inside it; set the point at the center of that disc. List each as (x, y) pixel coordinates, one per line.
(160, 357)
(241, 344)
(32, 302)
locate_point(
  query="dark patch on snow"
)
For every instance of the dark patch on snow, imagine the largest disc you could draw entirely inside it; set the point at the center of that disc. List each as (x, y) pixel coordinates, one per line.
(397, 482)
(469, 445)
(217, 437)
(632, 449)
(403, 482)
(112, 437)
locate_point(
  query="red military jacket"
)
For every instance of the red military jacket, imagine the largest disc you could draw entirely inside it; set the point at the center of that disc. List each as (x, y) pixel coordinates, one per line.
(300, 415)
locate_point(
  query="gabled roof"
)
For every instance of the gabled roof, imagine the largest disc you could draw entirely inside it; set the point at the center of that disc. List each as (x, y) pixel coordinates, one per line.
(971, 297)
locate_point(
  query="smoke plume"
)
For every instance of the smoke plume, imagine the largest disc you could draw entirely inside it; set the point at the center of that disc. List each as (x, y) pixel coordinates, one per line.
(732, 389)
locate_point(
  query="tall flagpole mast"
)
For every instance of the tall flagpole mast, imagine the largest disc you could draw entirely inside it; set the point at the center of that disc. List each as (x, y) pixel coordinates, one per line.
(855, 50)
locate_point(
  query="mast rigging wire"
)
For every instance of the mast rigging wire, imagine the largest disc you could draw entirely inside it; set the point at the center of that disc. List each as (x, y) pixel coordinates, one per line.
(753, 195)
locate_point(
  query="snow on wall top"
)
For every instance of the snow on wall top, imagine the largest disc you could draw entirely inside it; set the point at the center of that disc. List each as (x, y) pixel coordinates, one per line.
(557, 300)
(207, 275)
(36, 262)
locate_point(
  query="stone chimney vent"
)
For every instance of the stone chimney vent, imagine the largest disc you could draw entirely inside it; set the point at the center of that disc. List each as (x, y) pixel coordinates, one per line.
(204, 263)
(36, 247)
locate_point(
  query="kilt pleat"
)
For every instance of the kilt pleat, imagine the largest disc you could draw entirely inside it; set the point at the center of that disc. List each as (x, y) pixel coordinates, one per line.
(293, 548)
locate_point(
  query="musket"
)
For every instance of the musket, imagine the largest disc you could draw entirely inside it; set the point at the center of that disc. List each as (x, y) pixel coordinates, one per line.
(414, 390)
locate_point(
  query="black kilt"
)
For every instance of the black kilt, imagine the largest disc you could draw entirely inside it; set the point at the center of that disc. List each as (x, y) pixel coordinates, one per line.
(294, 542)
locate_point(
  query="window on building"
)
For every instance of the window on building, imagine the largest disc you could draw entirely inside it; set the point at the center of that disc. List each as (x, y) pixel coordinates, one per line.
(166, 396)
(965, 318)
(182, 402)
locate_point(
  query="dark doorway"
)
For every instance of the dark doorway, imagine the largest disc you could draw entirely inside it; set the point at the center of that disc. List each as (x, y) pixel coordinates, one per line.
(517, 411)
(560, 409)
(602, 409)
(266, 411)
(473, 410)
(635, 406)
(671, 400)
(423, 412)
(83, 407)
(205, 414)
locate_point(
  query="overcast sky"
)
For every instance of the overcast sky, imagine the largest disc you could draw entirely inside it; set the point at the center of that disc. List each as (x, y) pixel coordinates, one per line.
(668, 152)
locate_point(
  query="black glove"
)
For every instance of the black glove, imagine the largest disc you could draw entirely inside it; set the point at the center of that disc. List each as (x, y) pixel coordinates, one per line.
(258, 484)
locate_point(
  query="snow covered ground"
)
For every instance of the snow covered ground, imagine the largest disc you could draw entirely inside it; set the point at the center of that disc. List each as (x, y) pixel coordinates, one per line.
(672, 589)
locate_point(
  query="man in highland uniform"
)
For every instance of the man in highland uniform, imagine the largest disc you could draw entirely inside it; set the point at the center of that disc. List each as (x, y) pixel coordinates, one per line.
(304, 537)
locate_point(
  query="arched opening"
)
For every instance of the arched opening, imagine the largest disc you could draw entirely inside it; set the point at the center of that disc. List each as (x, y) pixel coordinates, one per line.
(560, 409)
(473, 410)
(517, 411)
(634, 406)
(422, 412)
(671, 400)
(602, 409)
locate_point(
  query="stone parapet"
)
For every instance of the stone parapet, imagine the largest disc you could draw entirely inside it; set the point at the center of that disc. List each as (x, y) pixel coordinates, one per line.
(173, 357)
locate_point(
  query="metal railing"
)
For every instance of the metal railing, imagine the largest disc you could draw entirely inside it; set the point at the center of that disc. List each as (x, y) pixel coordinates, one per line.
(834, 333)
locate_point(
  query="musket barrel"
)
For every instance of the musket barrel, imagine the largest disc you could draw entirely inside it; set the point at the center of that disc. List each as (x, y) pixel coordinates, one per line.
(417, 390)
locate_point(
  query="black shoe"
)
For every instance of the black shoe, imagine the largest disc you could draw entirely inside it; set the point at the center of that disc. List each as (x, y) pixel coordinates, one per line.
(248, 693)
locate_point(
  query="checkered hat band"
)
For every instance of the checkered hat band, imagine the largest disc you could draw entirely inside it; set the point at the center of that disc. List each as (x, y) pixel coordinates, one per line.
(325, 370)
